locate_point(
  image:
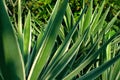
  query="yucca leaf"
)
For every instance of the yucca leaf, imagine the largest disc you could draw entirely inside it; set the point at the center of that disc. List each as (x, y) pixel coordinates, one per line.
(19, 17)
(20, 41)
(12, 62)
(115, 71)
(27, 37)
(66, 58)
(89, 59)
(68, 18)
(68, 67)
(108, 50)
(19, 29)
(33, 53)
(48, 40)
(62, 33)
(103, 58)
(95, 21)
(62, 49)
(88, 16)
(96, 72)
(110, 24)
(118, 76)
(101, 22)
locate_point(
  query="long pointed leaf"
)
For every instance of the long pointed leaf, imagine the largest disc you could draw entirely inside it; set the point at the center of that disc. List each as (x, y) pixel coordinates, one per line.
(96, 72)
(27, 37)
(48, 41)
(89, 59)
(62, 49)
(13, 66)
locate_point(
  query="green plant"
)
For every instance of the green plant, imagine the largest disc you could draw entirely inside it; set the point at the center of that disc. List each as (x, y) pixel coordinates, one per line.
(88, 46)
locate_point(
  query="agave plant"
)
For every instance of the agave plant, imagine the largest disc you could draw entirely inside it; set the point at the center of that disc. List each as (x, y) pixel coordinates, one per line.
(85, 49)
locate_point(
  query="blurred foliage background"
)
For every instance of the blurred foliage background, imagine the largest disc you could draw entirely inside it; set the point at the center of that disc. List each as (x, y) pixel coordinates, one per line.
(41, 9)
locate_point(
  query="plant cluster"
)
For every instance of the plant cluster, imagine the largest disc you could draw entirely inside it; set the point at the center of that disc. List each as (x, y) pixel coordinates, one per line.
(82, 48)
